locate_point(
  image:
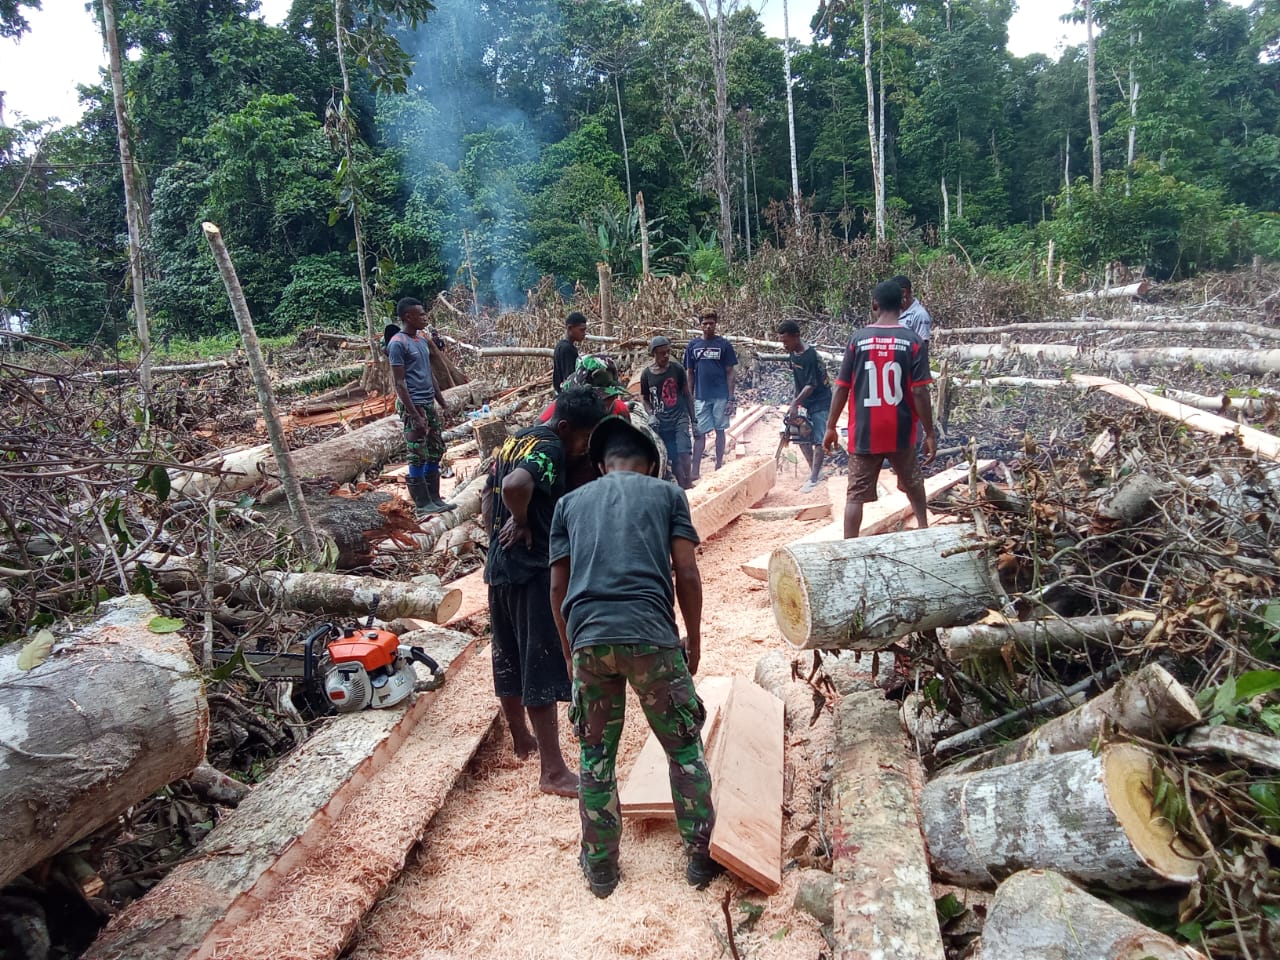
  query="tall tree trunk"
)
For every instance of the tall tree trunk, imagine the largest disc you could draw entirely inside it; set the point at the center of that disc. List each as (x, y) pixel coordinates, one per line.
(791, 111)
(622, 131)
(718, 44)
(1135, 90)
(377, 376)
(266, 398)
(946, 211)
(873, 135)
(132, 201)
(642, 215)
(746, 195)
(1094, 133)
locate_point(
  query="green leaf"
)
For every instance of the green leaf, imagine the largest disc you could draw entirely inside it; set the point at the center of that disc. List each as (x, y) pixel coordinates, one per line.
(237, 661)
(1271, 718)
(1190, 931)
(1255, 683)
(948, 907)
(36, 650)
(1270, 911)
(1224, 701)
(160, 482)
(781, 934)
(165, 625)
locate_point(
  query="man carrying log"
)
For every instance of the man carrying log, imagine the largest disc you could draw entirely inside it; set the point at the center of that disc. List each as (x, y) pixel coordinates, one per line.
(813, 392)
(416, 400)
(565, 358)
(615, 612)
(664, 390)
(886, 370)
(712, 367)
(529, 674)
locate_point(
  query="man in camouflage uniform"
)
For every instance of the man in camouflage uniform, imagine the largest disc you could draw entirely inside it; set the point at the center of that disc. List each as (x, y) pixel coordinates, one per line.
(615, 610)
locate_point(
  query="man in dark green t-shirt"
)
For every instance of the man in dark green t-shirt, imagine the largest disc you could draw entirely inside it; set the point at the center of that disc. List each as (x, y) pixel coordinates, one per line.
(615, 610)
(813, 392)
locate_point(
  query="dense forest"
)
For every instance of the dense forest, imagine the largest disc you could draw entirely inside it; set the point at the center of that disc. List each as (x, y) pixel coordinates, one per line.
(506, 141)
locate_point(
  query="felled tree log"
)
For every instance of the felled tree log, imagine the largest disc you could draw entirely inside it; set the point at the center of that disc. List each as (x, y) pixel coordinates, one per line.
(1150, 704)
(1153, 325)
(1040, 914)
(328, 593)
(114, 713)
(801, 702)
(1257, 748)
(321, 378)
(355, 524)
(1036, 637)
(1138, 289)
(339, 459)
(883, 903)
(1089, 816)
(1256, 362)
(863, 593)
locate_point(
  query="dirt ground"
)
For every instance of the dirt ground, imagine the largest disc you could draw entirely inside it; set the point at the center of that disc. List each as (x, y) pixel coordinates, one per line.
(497, 875)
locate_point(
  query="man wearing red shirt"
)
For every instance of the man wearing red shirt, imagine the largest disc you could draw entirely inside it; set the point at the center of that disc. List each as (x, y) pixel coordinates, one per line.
(885, 380)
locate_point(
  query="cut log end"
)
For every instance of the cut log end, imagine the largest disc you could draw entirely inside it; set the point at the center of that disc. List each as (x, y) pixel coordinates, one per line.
(790, 598)
(1127, 777)
(449, 605)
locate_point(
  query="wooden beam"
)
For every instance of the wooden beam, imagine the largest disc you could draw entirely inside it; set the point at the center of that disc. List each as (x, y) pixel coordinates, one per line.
(882, 516)
(746, 786)
(252, 857)
(797, 511)
(884, 902)
(645, 792)
(721, 497)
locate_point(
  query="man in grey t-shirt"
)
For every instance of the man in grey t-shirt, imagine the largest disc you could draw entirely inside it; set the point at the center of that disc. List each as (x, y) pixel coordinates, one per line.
(416, 400)
(914, 316)
(615, 610)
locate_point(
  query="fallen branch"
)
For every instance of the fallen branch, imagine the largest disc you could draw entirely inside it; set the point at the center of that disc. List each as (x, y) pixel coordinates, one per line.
(1245, 744)
(1036, 637)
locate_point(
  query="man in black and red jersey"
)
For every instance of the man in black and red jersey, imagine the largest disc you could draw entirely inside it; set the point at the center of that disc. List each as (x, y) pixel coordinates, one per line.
(885, 379)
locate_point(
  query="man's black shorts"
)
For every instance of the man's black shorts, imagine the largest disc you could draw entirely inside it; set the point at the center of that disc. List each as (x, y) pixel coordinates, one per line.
(527, 660)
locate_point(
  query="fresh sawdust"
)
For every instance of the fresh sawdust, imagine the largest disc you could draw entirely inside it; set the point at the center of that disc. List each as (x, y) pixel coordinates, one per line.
(497, 872)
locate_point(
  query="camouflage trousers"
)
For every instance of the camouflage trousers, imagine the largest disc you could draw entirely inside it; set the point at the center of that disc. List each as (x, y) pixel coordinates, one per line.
(423, 448)
(675, 714)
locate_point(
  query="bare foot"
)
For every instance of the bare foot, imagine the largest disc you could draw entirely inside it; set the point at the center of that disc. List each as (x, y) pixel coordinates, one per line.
(560, 785)
(525, 747)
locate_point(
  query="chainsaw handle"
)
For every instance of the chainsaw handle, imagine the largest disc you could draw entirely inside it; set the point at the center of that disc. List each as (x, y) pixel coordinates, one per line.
(420, 655)
(373, 611)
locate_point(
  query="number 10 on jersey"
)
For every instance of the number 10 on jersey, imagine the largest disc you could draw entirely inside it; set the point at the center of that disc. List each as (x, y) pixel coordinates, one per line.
(884, 383)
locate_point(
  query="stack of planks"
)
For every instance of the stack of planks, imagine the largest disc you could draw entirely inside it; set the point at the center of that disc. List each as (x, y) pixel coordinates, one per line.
(743, 736)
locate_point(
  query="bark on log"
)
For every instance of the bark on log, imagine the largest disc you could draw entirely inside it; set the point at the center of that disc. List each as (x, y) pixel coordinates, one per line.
(112, 715)
(1255, 362)
(862, 594)
(1244, 744)
(466, 501)
(212, 785)
(328, 593)
(883, 899)
(1150, 704)
(1089, 816)
(1221, 405)
(1138, 289)
(773, 673)
(1041, 915)
(1037, 637)
(335, 375)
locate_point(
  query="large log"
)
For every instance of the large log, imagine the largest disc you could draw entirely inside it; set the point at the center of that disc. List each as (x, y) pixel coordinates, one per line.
(327, 593)
(881, 516)
(1150, 704)
(1041, 915)
(1037, 637)
(1154, 325)
(338, 459)
(719, 499)
(1255, 362)
(1087, 815)
(113, 714)
(862, 594)
(1138, 288)
(883, 901)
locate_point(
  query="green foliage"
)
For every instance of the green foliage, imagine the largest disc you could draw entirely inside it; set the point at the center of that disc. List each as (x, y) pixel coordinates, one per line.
(323, 290)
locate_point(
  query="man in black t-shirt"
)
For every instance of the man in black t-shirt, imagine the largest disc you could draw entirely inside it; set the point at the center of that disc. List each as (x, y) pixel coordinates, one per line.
(664, 390)
(529, 674)
(813, 392)
(565, 359)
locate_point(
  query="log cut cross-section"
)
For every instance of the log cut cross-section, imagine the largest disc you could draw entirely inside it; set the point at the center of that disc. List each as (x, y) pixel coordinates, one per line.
(722, 497)
(861, 594)
(1040, 914)
(1089, 816)
(113, 714)
(746, 786)
(883, 898)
